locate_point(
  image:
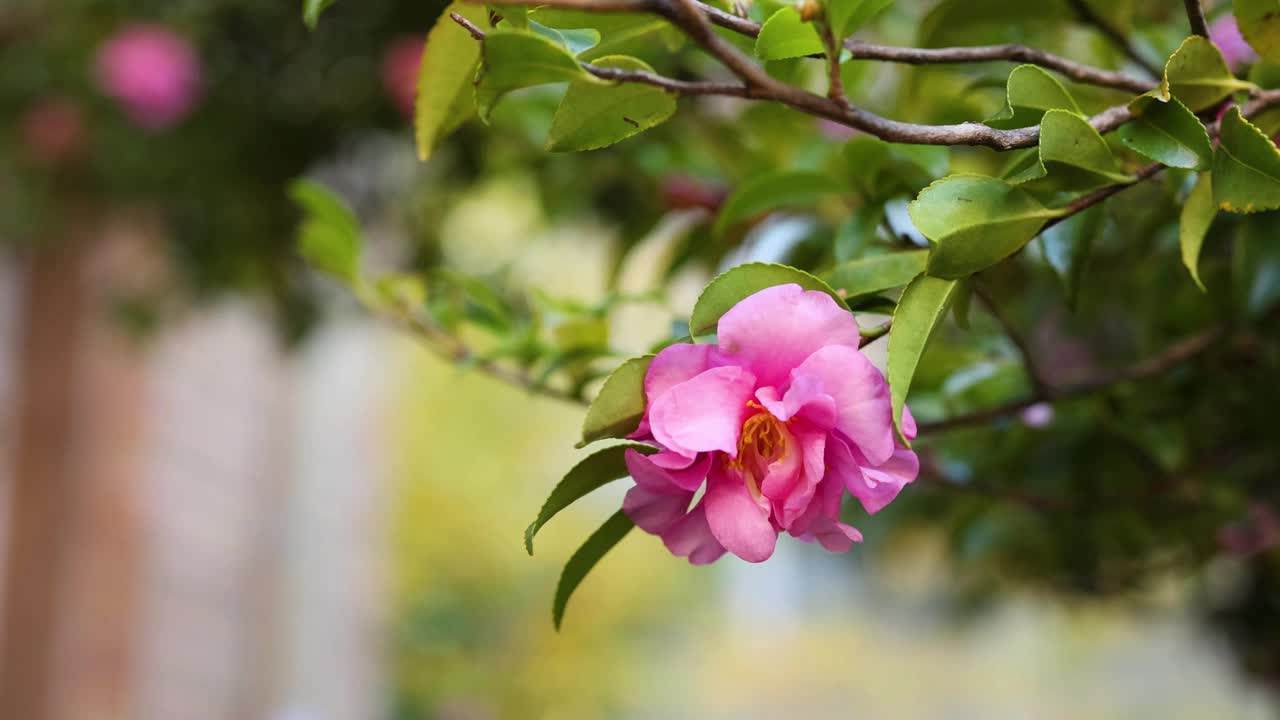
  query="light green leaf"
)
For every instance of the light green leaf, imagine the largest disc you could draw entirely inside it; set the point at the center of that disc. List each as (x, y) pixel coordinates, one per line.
(1259, 22)
(586, 557)
(1197, 74)
(875, 274)
(449, 61)
(847, 16)
(514, 59)
(618, 408)
(1067, 246)
(404, 292)
(1197, 216)
(785, 35)
(620, 33)
(1073, 156)
(770, 191)
(329, 235)
(494, 309)
(961, 301)
(593, 472)
(922, 306)
(734, 284)
(1246, 167)
(974, 222)
(1030, 93)
(311, 10)
(1167, 132)
(593, 116)
(576, 40)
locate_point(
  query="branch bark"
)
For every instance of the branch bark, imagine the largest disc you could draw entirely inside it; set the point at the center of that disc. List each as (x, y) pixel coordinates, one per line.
(1195, 15)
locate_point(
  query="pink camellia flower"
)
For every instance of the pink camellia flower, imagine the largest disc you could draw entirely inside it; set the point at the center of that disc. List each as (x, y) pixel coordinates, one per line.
(152, 71)
(1225, 33)
(776, 421)
(400, 71)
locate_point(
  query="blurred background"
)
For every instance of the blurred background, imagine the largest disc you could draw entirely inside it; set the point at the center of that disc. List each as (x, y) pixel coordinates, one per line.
(228, 491)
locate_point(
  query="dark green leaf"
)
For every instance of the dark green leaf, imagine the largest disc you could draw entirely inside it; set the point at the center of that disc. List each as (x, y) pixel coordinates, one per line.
(730, 287)
(975, 222)
(1256, 263)
(444, 79)
(771, 191)
(1031, 92)
(1197, 216)
(857, 232)
(329, 236)
(593, 116)
(1067, 246)
(514, 59)
(1259, 22)
(593, 472)
(586, 557)
(1246, 167)
(785, 35)
(922, 306)
(847, 16)
(875, 274)
(618, 408)
(1167, 132)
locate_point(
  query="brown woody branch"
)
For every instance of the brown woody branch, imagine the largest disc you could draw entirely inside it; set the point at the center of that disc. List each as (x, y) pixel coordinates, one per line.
(1195, 15)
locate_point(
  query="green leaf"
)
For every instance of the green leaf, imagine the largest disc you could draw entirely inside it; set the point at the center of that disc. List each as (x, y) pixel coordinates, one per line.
(494, 309)
(1067, 246)
(785, 35)
(1073, 156)
(770, 191)
(847, 16)
(311, 10)
(974, 222)
(586, 557)
(961, 302)
(594, 116)
(444, 79)
(593, 472)
(329, 236)
(1246, 167)
(1167, 132)
(922, 306)
(1030, 93)
(620, 34)
(857, 232)
(1197, 74)
(1259, 22)
(1256, 264)
(618, 408)
(514, 59)
(401, 291)
(877, 273)
(731, 286)
(1197, 216)
(576, 41)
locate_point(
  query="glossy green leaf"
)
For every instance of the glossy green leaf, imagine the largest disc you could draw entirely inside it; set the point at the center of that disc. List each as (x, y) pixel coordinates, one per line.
(1259, 22)
(1167, 132)
(974, 222)
(922, 306)
(1029, 94)
(1246, 167)
(575, 40)
(593, 472)
(618, 408)
(770, 191)
(514, 59)
(785, 35)
(734, 284)
(593, 116)
(848, 16)
(329, 235)
(1067, 246)
(620, 33)
(1197, 216)
(961, 301)
(586, 557)
(1197, 74)
(311, 10)
(448, 66)
(875, 274)
(1073, 156)
(879, 169)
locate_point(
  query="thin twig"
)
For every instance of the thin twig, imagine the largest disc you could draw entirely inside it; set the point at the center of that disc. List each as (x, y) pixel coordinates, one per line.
(1087, 14)
(835, 84)
(1195, 15)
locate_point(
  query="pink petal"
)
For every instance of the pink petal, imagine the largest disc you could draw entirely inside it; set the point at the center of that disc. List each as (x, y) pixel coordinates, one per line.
(691, 537)
(775, 329)
(654, 512)
(882, 483)
(650, 474)
(863, 412)
(736, 520)
(805, 398)
(703, 414)
(674, 365)
(812, 444)
(835, 536)
(783, 473)
(908, 424)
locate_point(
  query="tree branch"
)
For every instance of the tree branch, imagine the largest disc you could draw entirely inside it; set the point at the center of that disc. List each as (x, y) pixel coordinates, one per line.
(1087, 14)
(1195, 14)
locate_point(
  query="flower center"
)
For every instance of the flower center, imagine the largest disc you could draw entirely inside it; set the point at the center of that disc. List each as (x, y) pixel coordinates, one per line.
(763, 442)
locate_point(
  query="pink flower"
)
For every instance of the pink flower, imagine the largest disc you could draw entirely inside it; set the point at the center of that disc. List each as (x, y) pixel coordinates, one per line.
(153, 72)
(777, 421)
(400, 72)
(1225, 33)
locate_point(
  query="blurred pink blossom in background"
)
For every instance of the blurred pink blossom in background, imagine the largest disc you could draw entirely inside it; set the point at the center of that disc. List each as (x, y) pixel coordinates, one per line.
(52, 130)
(1226, 35)
(400, 71)
(153, 72)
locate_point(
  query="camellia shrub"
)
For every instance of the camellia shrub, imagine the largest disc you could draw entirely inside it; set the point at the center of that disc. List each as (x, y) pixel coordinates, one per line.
(1049, 226)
